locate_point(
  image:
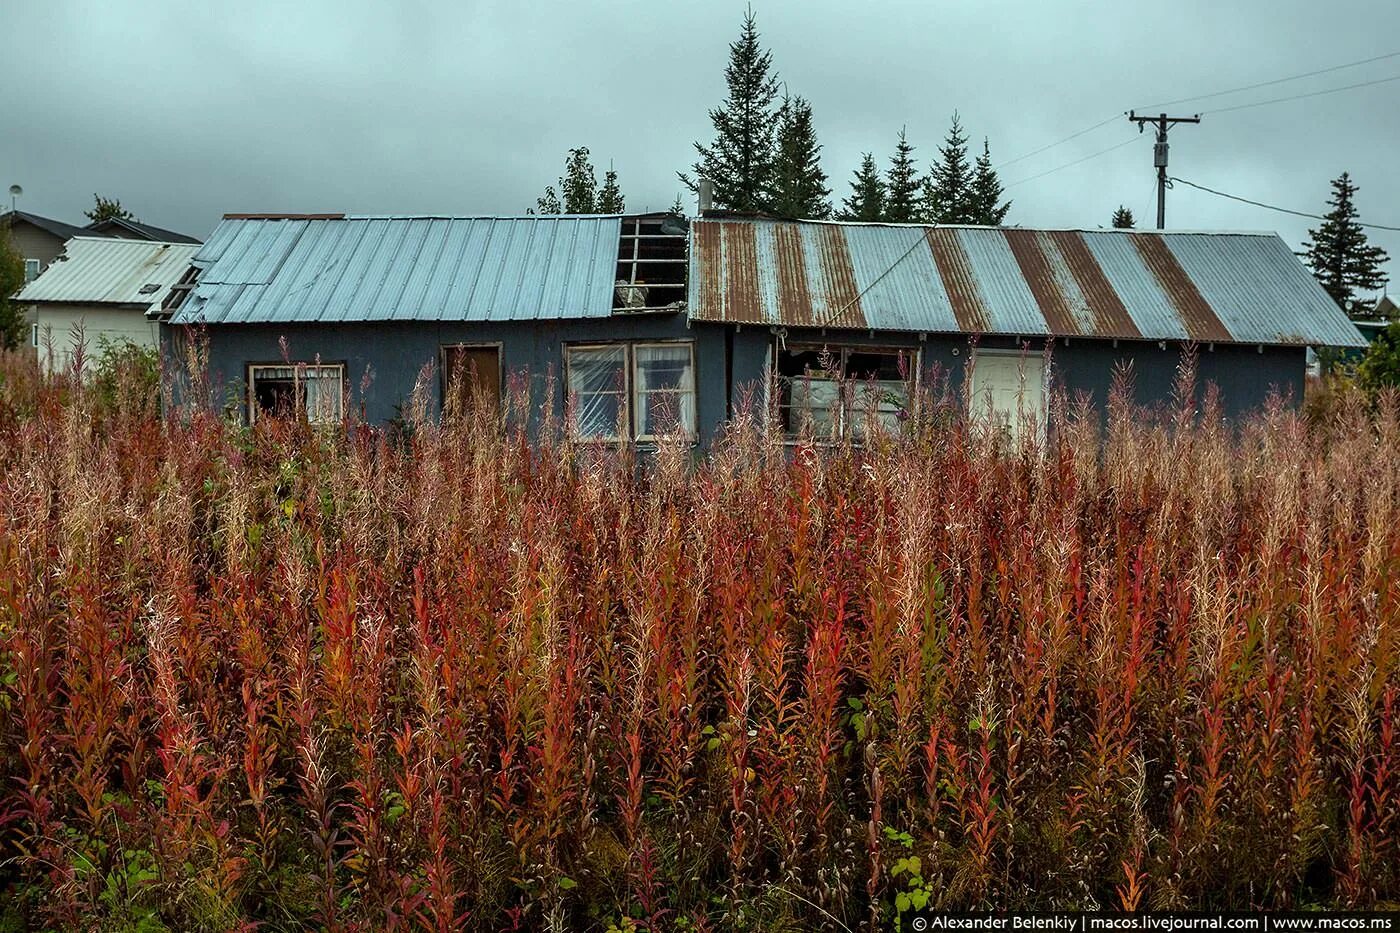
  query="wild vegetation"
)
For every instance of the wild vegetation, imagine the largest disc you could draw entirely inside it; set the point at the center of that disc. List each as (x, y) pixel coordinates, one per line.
(450, 678)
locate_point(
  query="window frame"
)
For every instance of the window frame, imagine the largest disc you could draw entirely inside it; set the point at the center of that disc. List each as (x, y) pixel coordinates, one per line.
(634, 409)
(298, 368)
(843, 413)
(628, 391)
(38, 265)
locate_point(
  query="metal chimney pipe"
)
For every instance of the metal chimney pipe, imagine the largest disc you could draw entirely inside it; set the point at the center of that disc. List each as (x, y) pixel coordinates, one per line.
(707, 196)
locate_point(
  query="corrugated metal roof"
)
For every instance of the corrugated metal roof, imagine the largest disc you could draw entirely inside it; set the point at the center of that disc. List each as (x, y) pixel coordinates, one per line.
(1209, 287)
(106, 270)
(299, 269)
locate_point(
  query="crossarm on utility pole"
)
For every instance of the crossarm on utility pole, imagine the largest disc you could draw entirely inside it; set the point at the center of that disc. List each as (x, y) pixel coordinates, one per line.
(1159, 154)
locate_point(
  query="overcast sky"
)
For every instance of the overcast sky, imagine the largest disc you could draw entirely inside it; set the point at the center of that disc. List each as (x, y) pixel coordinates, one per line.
(188, 110)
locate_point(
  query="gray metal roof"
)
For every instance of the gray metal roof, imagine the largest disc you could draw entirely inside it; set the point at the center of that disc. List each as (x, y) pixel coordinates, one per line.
(99, 269)
(55, 227)
(1208, 287)
(333, 268)
(139, 230)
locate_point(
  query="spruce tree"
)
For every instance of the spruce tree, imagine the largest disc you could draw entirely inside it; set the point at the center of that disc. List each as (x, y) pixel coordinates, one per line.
(799, 185)
(1337, 251)
(610, 199)
(1123, 219)
(987, 207)
(948, 188)
(867, 200)
(678, 208)
(902, 185)
(739, 163)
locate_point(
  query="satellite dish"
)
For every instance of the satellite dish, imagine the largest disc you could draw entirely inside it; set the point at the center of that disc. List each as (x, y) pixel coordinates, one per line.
(16, 191)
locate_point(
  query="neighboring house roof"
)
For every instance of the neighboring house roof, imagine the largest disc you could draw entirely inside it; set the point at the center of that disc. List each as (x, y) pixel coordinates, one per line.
(331, 268)
(106, 270)
(56, 227)
(1386, 308)
(1207, 287)
(139, 230)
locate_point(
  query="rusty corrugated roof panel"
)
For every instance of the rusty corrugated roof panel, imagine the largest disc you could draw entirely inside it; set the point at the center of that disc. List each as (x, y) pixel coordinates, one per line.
(1221, 287)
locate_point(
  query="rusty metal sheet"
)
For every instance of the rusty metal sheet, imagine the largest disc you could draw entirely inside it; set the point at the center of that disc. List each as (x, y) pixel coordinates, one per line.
(794, 299)
(958, 280)
(1195, 312)
(840, 294)
(1110, 315)
(1035, 266)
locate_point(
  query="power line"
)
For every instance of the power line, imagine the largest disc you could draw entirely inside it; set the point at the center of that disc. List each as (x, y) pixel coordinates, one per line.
(1112, 119)
(1330, 90)
(1086, 158)
(1273, 207)
(1251, 87)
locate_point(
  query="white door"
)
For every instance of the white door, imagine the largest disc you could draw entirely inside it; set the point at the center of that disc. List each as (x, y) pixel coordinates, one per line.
(1008, 388)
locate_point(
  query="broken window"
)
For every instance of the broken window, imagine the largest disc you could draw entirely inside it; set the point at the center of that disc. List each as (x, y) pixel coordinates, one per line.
(310, 390)
(632, 391)
(835, 392)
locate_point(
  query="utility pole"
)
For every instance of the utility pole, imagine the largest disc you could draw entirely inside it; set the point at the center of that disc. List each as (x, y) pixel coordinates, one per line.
(1159, 154)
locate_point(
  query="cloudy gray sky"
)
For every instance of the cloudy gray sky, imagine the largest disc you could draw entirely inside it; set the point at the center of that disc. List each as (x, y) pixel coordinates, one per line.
(186, 111)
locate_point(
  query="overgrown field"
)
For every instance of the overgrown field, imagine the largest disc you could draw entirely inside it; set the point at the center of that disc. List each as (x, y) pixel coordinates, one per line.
(444, 679)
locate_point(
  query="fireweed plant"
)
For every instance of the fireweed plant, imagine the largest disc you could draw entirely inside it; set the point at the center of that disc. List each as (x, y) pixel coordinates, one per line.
(455, 675)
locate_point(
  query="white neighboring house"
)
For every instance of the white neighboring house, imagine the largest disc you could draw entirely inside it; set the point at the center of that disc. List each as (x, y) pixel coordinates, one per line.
(103, 287)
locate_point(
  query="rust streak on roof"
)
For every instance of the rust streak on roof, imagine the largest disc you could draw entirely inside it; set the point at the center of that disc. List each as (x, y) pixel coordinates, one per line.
(1030, 256)
(1196, 315)
(1110, 314)
(839, 273)
(707, 274)
(794, 300)
(958, 280)
(741, 274)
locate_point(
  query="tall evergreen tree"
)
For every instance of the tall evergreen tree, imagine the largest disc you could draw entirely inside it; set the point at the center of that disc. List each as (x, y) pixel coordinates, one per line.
(1337, 251)
(1123, 219)
(799, 184)
(678, 208)
(902, 185)
(988, 208)
(739, 163)
(610, 199)
(867, 200)
(948, 196)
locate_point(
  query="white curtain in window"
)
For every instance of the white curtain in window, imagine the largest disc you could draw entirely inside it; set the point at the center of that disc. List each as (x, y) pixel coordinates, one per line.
(322, 386)
(597, 386)
(664, 383)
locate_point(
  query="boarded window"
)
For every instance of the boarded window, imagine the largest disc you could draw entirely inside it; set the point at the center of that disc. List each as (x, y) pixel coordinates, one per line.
(471, 380)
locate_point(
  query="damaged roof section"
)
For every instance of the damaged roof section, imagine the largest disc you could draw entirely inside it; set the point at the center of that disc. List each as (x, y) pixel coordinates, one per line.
(105, 270)
(331, 268)
(1206, 287)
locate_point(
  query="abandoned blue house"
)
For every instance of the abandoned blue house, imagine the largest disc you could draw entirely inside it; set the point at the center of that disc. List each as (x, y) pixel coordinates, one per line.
(645, 323)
